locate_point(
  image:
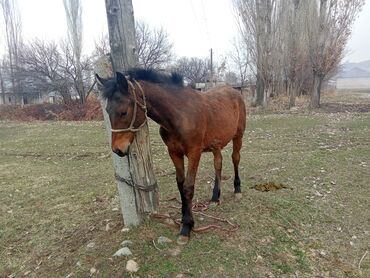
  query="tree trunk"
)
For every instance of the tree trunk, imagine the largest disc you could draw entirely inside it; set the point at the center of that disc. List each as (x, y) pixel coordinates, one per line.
(260, 88)
(292, 94)
(266, 95)
(80, 85)
(66, 96)
(2, 87)
(135, 176)
(316, 92)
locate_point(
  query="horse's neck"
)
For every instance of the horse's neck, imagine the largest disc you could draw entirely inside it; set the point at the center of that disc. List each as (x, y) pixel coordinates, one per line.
(160, 104)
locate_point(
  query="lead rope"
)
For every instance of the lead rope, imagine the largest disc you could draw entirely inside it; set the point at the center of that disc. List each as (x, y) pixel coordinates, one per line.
(199, 208)
(130, 182)
(132, 91)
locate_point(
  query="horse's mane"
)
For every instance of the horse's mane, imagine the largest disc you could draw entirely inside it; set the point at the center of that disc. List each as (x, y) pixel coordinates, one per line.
(150, 75)
(155, 76)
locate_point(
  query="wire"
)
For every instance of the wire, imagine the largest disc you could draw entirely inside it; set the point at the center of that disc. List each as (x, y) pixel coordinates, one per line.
(206, 24)
(196, 19)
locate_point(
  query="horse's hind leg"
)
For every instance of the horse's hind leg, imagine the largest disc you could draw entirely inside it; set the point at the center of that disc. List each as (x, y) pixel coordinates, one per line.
(218, 167)
(237, 145)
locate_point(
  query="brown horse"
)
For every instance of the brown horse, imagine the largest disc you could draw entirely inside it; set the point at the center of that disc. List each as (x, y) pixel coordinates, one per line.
(190, 123)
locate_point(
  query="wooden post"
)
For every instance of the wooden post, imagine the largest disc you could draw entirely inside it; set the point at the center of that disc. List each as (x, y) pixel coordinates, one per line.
(121, 27)
(137, 186)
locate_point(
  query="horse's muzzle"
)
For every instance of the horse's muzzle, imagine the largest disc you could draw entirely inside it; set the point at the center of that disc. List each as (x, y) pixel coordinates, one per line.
(119, 152)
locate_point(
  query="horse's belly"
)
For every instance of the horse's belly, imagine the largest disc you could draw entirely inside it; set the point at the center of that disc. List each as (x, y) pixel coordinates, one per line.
(217, 137)
(217, 143)
(172, 142)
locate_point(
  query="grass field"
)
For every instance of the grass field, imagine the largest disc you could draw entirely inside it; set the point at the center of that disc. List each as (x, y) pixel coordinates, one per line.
(59, 213)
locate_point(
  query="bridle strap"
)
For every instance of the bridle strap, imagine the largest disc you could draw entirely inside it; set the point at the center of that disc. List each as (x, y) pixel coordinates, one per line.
(132, 90)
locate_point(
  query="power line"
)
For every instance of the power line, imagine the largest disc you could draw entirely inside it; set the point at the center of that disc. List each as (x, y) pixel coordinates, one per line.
(206, 24)
(203, 28)
(196, 17)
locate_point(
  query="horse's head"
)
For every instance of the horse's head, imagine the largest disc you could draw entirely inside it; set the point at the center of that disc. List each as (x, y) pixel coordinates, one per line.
(126, 112)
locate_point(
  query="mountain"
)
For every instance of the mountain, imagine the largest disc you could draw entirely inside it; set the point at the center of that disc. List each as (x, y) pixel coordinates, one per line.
(355, 73)
(355, 70)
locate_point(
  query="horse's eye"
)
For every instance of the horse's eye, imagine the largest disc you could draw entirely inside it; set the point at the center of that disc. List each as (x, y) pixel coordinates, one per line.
(122, 114)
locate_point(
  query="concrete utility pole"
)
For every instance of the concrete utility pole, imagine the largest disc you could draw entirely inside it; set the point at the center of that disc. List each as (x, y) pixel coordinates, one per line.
(134, 173)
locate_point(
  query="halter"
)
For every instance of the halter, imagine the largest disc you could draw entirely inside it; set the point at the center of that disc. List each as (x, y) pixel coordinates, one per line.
(136, 103)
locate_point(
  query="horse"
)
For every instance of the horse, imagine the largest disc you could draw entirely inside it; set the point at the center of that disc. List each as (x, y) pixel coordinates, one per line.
(191, 122)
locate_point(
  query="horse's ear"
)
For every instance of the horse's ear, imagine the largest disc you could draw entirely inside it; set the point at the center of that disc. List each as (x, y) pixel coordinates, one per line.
(101, 81)
(121, 81)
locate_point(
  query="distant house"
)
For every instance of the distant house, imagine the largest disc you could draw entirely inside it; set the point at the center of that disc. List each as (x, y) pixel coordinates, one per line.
(354, 77)
(33, 92)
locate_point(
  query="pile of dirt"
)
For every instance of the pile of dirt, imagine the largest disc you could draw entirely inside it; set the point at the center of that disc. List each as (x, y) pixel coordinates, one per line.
(270, 186)
(280, 104)
(47, 112)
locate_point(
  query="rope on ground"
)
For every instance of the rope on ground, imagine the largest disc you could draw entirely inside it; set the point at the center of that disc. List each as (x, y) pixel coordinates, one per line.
(198, 208)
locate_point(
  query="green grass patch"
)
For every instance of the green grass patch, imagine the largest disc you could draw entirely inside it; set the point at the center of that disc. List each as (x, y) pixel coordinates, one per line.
(58, 194)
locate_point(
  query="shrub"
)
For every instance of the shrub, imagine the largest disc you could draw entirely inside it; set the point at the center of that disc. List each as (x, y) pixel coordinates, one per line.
(49, 112)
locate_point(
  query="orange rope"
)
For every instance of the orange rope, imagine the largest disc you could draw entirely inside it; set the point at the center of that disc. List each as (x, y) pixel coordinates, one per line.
(198, 208)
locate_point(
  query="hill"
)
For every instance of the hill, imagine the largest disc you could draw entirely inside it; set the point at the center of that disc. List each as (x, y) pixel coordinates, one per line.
(355, 70)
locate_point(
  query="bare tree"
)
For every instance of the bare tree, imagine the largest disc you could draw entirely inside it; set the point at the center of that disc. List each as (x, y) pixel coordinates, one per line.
(291, 34)
(295, 44)
(240, 62)
(231, 78)
(52, 67)
(294, 68)
(73, 9)
(193, 69)
(79, 74)
(258, 21)
(219, 71)
(328, 32)
(43, 62)
(13, 35)
(101, 46)
(41, 58)
(154, 49)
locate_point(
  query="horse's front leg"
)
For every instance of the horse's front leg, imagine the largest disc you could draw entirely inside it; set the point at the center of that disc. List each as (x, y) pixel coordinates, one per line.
(187, 196)
(178, 161)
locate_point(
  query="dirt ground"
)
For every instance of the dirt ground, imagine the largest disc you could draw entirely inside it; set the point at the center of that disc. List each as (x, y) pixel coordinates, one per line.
(60, 216)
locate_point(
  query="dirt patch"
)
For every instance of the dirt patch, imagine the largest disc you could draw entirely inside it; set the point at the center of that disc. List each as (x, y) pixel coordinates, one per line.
(331, 107)
(270, 186)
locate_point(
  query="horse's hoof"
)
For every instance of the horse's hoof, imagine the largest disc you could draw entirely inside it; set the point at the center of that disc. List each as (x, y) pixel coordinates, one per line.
(182, 240)
(238, 196)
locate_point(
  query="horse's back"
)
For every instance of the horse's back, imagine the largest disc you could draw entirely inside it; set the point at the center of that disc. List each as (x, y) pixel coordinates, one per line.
(225, 116)
(227, 101)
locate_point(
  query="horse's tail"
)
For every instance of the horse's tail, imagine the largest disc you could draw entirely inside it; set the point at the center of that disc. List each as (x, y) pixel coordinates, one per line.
(243, 113)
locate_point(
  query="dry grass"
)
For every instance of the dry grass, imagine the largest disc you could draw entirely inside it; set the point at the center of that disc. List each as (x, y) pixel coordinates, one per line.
(58, 195)
(45, 112)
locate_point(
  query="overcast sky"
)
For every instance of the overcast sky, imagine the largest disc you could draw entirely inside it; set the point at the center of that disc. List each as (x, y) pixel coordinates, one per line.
(194, 26)
(359, 43)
